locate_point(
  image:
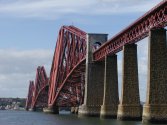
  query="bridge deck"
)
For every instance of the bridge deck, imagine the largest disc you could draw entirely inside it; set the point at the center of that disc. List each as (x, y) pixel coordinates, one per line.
(155, 18)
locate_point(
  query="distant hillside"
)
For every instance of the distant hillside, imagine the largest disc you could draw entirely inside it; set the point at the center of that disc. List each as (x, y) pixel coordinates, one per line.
(9, 101)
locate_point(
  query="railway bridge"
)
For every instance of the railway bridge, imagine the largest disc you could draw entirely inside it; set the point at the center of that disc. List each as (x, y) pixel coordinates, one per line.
(84, 71)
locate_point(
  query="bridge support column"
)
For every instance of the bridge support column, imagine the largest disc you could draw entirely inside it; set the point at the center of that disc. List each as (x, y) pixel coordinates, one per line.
(129, 107)
(50, 109)
(94, 79)
(155, 108)
(110, 100)
(32, 109)
(74, 110)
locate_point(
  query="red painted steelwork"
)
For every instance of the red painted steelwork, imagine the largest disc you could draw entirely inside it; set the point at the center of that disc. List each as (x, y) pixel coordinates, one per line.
(70, 51)
(155, 18)
(75, 81)
(40, 93)
(30, 95)
(66, 84)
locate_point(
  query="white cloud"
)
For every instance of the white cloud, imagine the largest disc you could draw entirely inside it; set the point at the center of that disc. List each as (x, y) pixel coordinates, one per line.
(52, 9)
(17, 67)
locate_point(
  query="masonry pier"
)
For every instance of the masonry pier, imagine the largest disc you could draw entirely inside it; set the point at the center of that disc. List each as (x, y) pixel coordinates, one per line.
(110, 99)
(129, 107)
(50, 109)
(155, 108)
(94, 79)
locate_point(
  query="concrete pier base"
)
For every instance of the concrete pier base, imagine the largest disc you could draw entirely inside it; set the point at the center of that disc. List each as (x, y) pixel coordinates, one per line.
(109, 111)
(85, 111)
(129, 112)
(74, 110)
(51, 110)
(31, 109)
(155, 113)
(155, 108)
(129, 107)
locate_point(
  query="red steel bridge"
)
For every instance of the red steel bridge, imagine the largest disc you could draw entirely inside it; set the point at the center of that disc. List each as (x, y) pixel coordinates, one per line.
(66, 86)
(38, 92)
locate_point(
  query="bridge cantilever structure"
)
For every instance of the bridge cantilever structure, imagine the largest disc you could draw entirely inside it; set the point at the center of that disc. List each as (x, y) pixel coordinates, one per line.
(39, 92)
(79, 75)
(67, 67)
(30, 95)
(69, 58)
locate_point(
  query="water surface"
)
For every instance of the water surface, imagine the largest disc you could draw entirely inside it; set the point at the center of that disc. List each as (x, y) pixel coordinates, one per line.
(39, 118)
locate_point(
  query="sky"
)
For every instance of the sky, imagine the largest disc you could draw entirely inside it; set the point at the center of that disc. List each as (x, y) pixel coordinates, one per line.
(29, 29)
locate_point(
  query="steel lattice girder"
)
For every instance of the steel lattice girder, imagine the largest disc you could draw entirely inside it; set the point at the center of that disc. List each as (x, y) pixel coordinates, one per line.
(30, 95)
(71, 92)
(70, 51)
(155, 18)
(41, 88)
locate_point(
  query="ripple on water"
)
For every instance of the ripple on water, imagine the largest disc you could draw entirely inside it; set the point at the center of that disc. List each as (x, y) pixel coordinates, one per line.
(39, 118)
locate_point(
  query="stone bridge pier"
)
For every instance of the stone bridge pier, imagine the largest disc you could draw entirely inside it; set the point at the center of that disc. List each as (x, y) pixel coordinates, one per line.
(101, 82)
(110, 97)
(155, 108)
(129, 107)
(94, 78)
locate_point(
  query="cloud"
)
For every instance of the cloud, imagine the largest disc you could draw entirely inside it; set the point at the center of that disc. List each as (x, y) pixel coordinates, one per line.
(52, 9)
(43, 8)
(17, 67)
